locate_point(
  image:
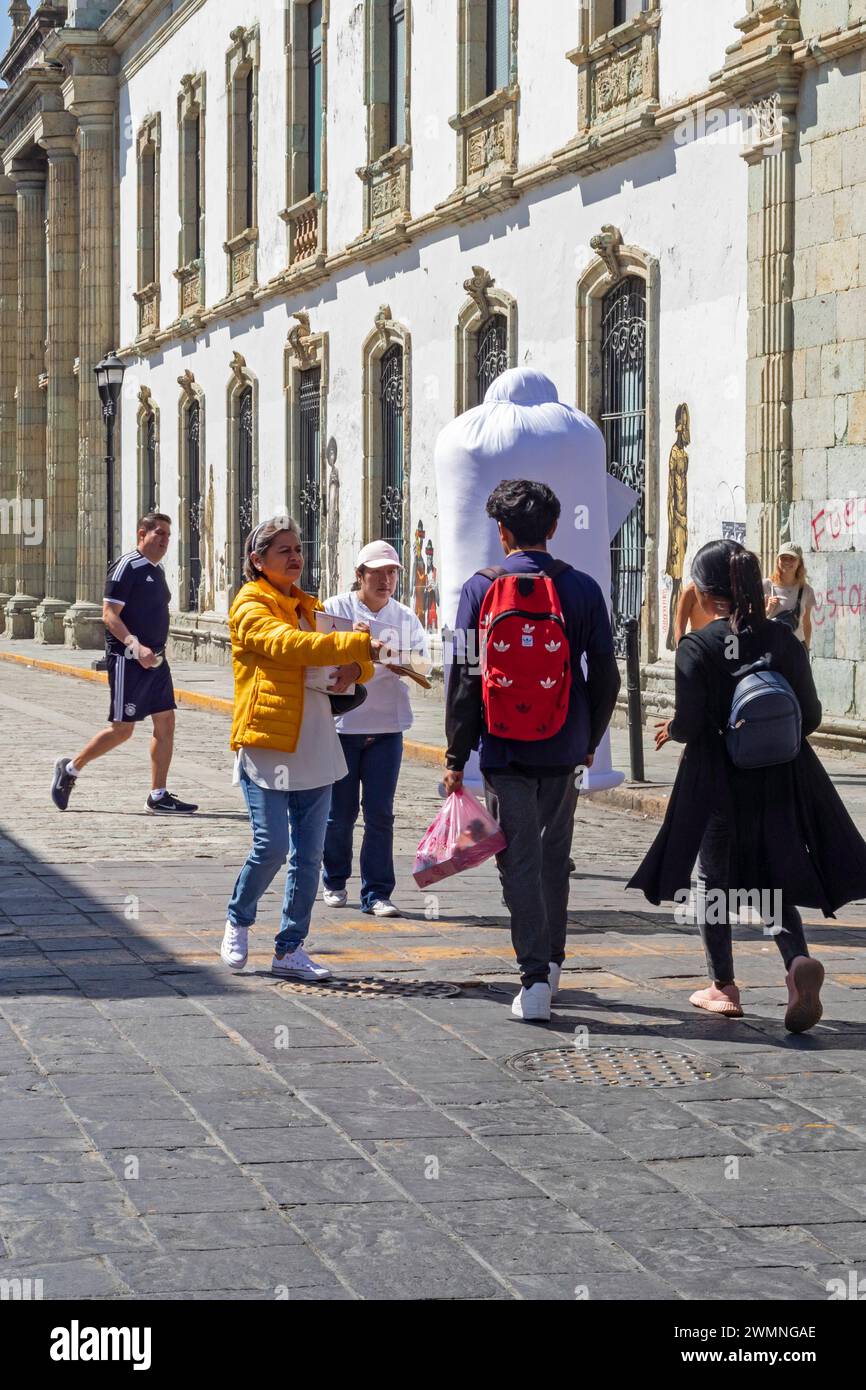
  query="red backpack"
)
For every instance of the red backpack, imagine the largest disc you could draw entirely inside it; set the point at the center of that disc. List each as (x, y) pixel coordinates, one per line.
(525, 655)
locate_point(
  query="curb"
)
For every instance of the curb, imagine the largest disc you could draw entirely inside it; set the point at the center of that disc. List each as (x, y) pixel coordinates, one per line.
(639, 801)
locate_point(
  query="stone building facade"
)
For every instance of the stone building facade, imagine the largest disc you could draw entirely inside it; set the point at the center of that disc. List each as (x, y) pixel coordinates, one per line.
(316, 229)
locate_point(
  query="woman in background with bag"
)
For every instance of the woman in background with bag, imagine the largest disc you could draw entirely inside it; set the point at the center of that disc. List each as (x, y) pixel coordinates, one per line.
(780, 830)
(372, 738)
(287, 751)
(790, 599)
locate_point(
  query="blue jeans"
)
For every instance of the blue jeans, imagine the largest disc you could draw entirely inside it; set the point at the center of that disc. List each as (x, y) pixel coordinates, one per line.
(286, 825)
(374, 762)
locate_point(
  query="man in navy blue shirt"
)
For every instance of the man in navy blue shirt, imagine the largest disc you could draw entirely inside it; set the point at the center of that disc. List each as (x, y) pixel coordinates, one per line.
(135, 609)
(531, 786)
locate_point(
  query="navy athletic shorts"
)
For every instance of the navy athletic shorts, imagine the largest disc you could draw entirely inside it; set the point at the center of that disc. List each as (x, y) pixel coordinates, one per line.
(137, 693)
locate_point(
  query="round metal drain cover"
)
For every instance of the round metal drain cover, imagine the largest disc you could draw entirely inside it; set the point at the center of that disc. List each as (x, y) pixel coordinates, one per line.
(372, 987)
(613, 1066)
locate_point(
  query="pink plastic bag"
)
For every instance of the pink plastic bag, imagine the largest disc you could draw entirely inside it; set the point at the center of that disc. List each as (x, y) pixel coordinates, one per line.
(462, 835)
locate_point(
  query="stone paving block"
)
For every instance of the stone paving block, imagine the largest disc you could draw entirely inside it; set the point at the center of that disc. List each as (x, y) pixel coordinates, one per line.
(844, 1240)
(259, 1149)
(56, 1238)
(337, 1180)
(169, 1165)
(775, 1206)
(381, 1118)
(280, 1111)
(245, 1229)
(194, 1195)
(715, 1248)
(753, 1285)
(574, 1253)
(392, 1253)
(813, 1136)
(37, 1167)
(265, 1268)
(45, 1201)
(701, 1175)
(535, 1151)
(596, 1179)
(631, 1287)
(71, 1279)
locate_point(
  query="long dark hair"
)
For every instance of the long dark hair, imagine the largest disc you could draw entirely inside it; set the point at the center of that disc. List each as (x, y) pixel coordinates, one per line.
(729, 571)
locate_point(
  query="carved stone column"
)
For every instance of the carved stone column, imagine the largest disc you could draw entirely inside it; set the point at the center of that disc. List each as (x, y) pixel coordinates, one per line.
(769, 455)
(83, 621)
(8, 377)
(62, 421)
(30, 415)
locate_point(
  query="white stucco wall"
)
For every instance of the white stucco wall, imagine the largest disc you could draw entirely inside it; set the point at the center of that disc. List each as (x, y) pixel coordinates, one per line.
(684, 202)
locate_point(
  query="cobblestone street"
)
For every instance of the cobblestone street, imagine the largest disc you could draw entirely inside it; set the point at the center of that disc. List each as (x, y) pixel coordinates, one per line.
(168, 1130)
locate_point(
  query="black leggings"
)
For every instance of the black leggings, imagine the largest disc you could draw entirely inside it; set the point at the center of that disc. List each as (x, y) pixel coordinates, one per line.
(713, 874)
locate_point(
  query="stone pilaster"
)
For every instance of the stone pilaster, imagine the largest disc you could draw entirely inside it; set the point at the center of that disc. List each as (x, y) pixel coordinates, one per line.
(62, 413)
(30, 415)
(83, 621)
(769, 451)
(8, 377)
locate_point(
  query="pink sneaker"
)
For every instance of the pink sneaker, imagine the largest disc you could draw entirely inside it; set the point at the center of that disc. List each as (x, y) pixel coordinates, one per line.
(718, 1001)
(805, 979)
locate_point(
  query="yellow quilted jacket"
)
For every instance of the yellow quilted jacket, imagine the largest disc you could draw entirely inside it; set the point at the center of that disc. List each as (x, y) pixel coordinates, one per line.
(269, 654)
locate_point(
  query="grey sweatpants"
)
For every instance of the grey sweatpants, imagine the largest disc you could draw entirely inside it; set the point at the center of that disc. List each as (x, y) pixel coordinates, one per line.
(537, 818)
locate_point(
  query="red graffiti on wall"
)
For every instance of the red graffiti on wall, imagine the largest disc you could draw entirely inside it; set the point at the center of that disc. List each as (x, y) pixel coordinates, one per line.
(842, 598)
(834, 518)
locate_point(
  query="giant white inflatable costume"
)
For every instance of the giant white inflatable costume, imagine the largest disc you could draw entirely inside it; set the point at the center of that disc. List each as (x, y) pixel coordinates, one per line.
(524, 431)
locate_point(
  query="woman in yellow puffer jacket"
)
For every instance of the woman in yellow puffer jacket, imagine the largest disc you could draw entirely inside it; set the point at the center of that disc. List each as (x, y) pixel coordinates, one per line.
(287, 753)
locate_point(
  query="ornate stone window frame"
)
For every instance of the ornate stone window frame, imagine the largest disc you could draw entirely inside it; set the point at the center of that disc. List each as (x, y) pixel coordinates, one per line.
(190, 391)
(306, 350)
(617, 75)
(241, 379)
(386, 174)
(486, 125)
(147, 148)
(190, 273)
(242, 244)
(612, 262)
(305, 214)
(484, 300)
(387, 333)
(147, 410)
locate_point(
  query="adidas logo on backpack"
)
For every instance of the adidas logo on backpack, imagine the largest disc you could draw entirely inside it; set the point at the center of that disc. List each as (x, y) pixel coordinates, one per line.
(526, 657)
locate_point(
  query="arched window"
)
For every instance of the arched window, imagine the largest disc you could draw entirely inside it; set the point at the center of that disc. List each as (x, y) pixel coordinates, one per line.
(491, 353)
(391, 409)
(310, 491)
(245, 487)
(623, 422)
(193, 503)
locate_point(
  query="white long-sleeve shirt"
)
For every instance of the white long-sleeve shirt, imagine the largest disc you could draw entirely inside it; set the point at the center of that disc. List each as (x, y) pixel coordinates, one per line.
(387, 708)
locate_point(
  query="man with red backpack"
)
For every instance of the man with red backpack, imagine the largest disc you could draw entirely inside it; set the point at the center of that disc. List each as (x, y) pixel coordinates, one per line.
(518, 688)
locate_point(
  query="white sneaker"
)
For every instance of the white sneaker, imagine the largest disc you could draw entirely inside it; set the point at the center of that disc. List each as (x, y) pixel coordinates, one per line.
(553, 973)
(383, 907)
(533, 1004)
(334, 897)
(299, 966)
(235, 946)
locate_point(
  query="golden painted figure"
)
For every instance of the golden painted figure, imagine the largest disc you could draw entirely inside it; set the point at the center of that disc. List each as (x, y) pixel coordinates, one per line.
(678, 516)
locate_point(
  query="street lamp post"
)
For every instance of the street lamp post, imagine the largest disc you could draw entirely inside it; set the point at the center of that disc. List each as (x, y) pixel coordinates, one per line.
(109, 380)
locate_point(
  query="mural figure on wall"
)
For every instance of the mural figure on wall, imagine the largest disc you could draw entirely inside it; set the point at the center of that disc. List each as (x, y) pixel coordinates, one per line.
(678, 515)
(425, 585)
(431, 592)
(333, 518)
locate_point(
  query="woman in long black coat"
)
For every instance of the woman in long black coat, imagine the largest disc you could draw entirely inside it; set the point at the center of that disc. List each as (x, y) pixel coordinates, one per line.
(780, 829)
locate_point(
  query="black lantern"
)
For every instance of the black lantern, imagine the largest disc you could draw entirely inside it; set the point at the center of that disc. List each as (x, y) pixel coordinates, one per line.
(109, 380)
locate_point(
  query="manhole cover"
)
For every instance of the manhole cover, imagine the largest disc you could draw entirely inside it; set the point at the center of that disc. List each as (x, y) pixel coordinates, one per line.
(370, 987)
(613, 1066)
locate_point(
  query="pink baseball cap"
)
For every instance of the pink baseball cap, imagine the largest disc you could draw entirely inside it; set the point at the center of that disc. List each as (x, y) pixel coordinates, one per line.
(377, 555)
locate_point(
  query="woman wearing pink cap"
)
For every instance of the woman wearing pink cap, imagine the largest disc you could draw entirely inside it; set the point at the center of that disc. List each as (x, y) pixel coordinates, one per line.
(372, 737)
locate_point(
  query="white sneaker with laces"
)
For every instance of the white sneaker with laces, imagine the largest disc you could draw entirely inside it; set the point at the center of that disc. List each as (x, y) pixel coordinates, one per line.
(554, 972)
(334, 897)
(533, 1004)
(235, 946)
(299, 966)
(383, 907)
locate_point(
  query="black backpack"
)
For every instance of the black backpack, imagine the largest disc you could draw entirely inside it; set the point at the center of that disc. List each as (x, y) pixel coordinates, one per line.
(765, 724)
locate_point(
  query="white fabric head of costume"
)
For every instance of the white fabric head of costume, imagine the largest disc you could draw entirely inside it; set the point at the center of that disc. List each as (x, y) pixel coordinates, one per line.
(523, 431)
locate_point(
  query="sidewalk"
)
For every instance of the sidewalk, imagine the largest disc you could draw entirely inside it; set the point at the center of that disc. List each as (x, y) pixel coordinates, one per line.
(204, 686)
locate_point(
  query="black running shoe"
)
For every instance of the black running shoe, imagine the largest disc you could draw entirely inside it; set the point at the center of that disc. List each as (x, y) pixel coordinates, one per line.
(61, 784)
(168, 805)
